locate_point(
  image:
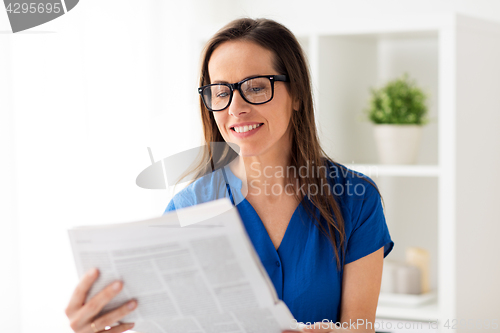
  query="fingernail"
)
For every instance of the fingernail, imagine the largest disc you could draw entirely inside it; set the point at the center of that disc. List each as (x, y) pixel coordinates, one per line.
(130, 325)
(131, 305)
(117, 285)
(92, 272)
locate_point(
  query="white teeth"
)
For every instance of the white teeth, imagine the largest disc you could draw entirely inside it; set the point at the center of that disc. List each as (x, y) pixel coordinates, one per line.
(243, 129)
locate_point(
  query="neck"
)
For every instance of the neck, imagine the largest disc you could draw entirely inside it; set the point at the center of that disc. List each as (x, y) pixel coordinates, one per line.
(260, 173)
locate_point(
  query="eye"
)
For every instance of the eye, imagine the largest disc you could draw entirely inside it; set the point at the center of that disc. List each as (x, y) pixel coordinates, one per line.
(221, 95)
(254, 89)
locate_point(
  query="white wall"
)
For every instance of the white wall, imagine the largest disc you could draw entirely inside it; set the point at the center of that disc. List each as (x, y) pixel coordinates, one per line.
(84, 94)
(478, 143)
(9, 255)
(82, 97)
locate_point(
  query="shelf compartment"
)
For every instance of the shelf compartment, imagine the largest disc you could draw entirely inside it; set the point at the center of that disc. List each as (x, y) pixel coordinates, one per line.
(345, 67)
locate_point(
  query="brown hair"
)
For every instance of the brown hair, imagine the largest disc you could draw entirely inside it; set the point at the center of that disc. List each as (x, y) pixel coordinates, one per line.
(289, 59)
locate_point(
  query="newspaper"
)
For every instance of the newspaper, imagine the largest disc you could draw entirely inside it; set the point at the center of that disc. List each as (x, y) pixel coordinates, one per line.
(202, 277)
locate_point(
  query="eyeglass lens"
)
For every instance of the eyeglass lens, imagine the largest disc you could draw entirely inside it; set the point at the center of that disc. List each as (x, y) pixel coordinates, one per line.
(257, 90)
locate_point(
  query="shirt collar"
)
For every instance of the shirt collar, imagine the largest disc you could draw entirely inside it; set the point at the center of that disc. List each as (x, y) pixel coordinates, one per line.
(234, 181)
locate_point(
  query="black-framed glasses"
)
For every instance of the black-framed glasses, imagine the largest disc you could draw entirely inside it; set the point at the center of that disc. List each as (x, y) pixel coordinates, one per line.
(254, 90)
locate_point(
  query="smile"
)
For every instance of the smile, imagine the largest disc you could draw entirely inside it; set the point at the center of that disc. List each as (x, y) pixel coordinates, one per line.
(244, 129)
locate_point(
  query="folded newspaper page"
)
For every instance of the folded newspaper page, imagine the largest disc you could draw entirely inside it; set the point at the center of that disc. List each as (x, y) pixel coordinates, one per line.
(201, 277)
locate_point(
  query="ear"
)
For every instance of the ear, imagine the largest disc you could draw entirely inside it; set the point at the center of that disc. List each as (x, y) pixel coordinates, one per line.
(296, 104)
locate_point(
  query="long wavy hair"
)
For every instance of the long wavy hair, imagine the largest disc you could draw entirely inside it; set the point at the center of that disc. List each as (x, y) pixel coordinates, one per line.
(306, 150)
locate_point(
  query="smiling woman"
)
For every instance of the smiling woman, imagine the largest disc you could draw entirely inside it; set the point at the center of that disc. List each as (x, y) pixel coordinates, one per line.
(320, 231)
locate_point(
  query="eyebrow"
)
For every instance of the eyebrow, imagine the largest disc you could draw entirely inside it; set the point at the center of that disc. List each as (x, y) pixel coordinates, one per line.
(221, 81)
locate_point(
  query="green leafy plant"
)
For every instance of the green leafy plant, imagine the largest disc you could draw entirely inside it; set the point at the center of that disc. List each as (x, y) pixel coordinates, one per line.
(398, 102)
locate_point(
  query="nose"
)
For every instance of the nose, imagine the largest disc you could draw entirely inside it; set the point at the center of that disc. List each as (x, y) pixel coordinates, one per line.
(238, 105)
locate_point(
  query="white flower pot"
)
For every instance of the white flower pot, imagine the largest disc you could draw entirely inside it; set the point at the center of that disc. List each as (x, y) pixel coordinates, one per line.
(397, 144)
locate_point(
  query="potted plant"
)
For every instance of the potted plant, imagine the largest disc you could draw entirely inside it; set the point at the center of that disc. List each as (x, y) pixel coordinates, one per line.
(398, 111)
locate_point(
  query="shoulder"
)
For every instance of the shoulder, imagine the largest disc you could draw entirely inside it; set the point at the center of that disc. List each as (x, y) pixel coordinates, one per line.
(348, 183)
(204, 189)
(353, 190)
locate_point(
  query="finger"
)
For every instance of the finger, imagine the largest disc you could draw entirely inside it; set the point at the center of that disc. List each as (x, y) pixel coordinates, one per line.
(80, 293)
(114, 316)
(119, 328)
(96, 303)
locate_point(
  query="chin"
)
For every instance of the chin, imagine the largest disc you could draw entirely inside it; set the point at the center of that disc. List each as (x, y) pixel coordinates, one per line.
(249, 152)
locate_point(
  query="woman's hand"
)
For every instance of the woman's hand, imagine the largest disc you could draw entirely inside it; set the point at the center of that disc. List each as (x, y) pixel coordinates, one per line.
(82, 315)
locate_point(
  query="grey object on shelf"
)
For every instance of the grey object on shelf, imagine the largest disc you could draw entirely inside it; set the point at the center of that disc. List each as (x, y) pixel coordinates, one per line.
(401, 278)
(408, 280)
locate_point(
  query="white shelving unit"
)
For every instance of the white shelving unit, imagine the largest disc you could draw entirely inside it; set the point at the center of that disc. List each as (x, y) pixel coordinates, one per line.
(446, 203)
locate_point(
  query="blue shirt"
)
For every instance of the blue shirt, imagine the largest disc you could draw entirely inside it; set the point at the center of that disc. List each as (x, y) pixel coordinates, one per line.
(303, 269)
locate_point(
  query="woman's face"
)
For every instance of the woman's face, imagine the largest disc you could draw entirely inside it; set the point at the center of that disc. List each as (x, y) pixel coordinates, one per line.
(232, 62)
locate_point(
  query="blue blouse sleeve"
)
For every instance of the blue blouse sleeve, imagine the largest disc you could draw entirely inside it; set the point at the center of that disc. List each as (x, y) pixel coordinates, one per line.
(170, 207)
(369, 232)
(180, 200)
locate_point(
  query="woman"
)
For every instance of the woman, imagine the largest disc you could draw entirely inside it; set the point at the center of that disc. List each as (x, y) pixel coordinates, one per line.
(318, 227)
